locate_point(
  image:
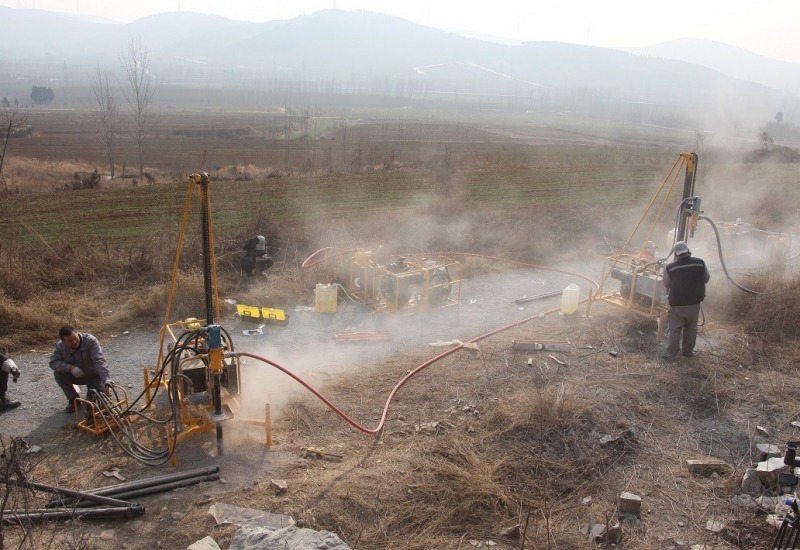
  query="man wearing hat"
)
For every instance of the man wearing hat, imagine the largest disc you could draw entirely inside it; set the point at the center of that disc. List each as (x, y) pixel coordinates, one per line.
(253, 256)
(685, 279)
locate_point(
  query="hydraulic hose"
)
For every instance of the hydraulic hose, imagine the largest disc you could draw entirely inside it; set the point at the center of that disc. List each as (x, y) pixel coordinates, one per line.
(410, 374)
(722, 259)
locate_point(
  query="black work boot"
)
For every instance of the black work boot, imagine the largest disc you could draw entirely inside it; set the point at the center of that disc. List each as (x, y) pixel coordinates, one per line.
(6, 403)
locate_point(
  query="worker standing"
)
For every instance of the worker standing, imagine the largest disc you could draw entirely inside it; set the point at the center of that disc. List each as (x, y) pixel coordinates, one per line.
(685, 280)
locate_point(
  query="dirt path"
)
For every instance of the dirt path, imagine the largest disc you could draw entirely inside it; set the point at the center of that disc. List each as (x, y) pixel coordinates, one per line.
(305, 346)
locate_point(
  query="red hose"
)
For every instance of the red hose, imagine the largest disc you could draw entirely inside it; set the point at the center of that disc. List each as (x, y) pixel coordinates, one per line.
(427, 363)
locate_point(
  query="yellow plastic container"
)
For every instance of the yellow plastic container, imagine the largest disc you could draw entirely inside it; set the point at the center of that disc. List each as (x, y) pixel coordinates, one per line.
(325, 297)
(569, 299)
(248, 312)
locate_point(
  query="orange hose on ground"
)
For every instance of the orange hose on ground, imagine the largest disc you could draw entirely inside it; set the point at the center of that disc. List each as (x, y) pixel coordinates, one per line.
(410, 374)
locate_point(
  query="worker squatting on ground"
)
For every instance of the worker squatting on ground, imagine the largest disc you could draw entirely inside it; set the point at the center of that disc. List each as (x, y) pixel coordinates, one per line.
(78, 360)
(7, 366)
(685, 279)
(253, 256)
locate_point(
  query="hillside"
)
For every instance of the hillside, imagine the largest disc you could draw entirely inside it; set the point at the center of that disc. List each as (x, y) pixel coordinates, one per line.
(367, 54)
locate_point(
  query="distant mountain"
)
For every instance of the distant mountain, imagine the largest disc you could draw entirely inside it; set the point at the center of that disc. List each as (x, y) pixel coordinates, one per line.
(729, 60)
(359, 53)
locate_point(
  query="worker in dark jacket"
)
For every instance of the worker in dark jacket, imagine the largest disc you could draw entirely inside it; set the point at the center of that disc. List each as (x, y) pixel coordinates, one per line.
(685, 279)
(78, 359)
(7, 366)
(253, 256)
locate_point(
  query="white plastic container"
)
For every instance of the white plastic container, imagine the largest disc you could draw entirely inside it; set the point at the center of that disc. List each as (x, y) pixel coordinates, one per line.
(325, 297)
(569, 299)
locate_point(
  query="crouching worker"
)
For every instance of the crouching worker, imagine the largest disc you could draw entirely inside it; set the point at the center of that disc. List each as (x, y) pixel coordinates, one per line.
(7, 366)
(253, 256)
(78, 360)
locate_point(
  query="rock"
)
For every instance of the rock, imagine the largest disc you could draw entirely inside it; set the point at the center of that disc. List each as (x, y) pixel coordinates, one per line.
(715, 526)
(279, 485)
(706, 467)
(260, 538)
(513, 532)
(630, 504)
(751, 484)
(768, 471)
(761, 430)
(767, 450)
(206, 543)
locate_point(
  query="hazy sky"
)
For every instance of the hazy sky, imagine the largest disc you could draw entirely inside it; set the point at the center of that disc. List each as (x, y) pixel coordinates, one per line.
(768, 28)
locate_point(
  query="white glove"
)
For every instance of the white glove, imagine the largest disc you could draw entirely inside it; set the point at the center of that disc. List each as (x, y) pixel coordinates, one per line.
(76, 372)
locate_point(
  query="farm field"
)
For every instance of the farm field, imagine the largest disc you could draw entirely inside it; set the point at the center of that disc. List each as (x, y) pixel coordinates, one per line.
(484, 439)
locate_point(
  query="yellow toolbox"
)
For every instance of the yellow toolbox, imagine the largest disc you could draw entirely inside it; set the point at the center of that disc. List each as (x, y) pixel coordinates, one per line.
(271, 315)
(248, 312)
(265, 314)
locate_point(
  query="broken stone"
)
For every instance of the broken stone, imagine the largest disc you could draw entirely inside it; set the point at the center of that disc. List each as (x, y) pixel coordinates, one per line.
(767, 504)
(751, 484)
(767, 450)
(706, 467)
(715, 526)
(768, 471)
(279, 485)
(630, 504)
(513, 532)
(610, 441)
(612, 536)
(206, 543)
(33, 450)
(761, 430)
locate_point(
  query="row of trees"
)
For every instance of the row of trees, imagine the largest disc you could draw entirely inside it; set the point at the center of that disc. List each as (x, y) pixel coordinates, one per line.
(138, 90)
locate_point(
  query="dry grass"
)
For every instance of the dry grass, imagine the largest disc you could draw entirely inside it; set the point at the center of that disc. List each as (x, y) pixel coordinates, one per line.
(479, 442)
(773, 313)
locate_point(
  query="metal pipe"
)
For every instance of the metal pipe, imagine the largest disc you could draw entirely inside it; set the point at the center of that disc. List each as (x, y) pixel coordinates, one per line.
(75, 494)
(14, 517)
(688, 191)
(141, 483)
(537, 297)
(167, 486)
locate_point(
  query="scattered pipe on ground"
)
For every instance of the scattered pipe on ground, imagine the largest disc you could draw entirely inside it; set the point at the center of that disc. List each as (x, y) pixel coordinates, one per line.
(196, 475)
(159, 488)
(76, 495)
(13, 517)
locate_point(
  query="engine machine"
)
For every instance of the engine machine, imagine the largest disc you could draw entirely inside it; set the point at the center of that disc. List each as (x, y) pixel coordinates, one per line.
(406, 285)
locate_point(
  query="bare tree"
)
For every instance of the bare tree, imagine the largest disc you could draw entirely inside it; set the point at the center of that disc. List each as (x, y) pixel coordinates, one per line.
(11, 119)
(139, 93)
(108, 114)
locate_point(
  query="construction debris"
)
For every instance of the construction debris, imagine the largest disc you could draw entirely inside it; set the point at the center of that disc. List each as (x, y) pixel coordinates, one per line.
(360, 336)
(316, 452)
(525, 345)
(707, 467)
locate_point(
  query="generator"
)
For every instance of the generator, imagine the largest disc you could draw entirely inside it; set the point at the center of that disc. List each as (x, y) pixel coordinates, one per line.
(405, 285)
